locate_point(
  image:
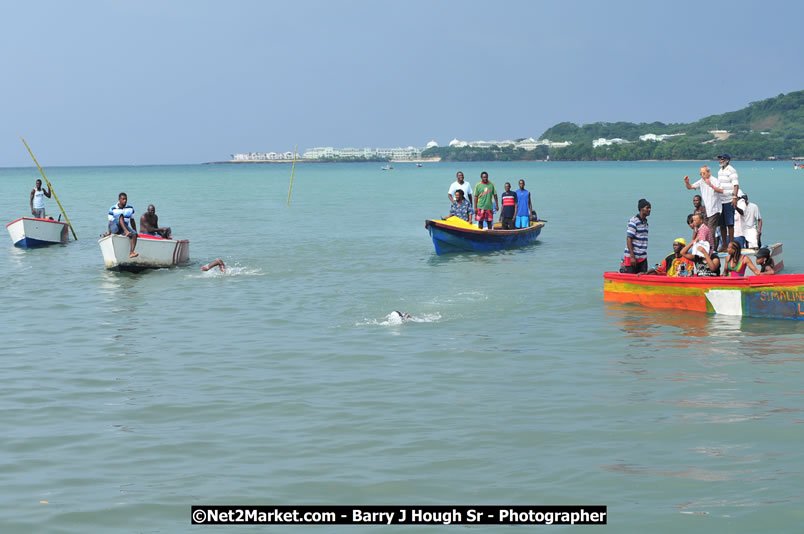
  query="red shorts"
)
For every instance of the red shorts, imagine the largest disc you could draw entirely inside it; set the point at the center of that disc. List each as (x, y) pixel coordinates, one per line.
(627, 260)
(484, 215)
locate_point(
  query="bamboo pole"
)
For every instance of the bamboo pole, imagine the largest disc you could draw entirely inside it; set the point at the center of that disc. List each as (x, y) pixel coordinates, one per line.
(292, 169)
(50, 187)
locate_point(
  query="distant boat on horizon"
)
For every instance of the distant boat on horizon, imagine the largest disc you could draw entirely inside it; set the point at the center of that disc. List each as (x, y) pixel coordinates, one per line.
(386, 168)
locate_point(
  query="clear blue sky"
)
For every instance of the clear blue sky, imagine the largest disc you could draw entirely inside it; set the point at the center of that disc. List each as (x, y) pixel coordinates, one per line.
(138, 82)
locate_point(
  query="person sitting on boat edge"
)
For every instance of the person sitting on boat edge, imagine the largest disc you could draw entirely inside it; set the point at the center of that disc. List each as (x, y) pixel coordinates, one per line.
(736, 263)
(485, 199)
(38, 195)
(765, 262)
(509, 207)
(703, 232)
(149, 224)
(459, 183)
(635, 259)
(674, 264)
(120, 222)
(217, 263)
(524, 206)
(461, 207)
(705, 263)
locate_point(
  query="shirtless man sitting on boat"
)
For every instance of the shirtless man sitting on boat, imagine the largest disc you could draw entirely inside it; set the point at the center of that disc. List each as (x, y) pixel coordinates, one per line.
(120, 222)
(149, 224)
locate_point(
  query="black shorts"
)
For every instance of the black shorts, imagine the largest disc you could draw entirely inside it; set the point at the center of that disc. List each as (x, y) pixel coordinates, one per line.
(507, 224)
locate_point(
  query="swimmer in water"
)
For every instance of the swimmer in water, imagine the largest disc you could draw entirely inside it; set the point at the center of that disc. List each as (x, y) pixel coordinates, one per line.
(217, 263)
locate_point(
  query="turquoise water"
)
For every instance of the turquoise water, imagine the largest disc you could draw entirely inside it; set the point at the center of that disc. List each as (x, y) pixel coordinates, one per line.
(128, 398)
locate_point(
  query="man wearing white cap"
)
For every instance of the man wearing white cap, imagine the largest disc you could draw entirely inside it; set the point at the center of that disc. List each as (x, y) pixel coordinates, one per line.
(729, 182)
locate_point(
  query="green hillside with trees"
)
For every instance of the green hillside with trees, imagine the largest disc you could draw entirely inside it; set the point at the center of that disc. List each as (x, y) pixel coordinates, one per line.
(771, 128)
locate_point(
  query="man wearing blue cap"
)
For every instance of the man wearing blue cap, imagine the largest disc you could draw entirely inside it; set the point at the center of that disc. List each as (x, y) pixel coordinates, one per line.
(728, 178)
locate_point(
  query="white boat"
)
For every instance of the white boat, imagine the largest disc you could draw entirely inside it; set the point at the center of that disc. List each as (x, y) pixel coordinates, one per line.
(28, 232)
(775, 251)
(153, 252)
(387, 168)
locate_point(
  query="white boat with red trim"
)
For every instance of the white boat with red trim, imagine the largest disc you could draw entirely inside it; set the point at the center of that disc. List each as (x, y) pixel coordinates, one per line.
(152, 252)
(29, 232)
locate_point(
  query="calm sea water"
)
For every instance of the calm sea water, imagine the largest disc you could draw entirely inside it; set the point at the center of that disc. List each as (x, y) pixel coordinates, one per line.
(128, 398)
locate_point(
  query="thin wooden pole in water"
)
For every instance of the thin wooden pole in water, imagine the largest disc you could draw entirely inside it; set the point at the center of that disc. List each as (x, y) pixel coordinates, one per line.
(51, 189)
(292, 170)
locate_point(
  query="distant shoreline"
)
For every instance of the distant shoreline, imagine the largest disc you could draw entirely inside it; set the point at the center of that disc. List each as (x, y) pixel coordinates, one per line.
(239, 162)
(439, 160)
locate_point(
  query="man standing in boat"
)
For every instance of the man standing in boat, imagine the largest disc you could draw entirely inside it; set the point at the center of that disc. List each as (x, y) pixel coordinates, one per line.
(485, 199)
(120, 222)
(729, 181)
(459, 183)
(524, 207)
(508, 211)
(636, 240)
(698, 207)
(751, 222)
(710, 187)
(38, 195)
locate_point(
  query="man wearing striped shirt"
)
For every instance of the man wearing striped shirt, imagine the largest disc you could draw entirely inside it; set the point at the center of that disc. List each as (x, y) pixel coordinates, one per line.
(636, 240)
(509, 207)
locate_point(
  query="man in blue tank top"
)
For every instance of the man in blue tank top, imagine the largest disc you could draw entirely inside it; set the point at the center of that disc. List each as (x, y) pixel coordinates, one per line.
(524, 207)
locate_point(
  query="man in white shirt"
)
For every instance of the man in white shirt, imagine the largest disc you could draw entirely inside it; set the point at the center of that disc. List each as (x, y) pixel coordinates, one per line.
(739, 235)
(38, 195)
(729, 181)
(752, 223)
(460, 184)
(710, 187)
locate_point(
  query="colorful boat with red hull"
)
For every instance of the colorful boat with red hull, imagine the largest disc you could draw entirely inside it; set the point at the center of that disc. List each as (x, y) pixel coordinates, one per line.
(28, 232)
(778, 296)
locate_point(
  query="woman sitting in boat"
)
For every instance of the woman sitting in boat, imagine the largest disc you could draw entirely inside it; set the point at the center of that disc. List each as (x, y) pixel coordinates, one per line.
(736, 263)
(704, 262)
(765, 262)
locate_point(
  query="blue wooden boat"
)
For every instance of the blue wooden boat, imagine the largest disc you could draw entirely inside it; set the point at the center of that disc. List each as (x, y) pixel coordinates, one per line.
(456, 235)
